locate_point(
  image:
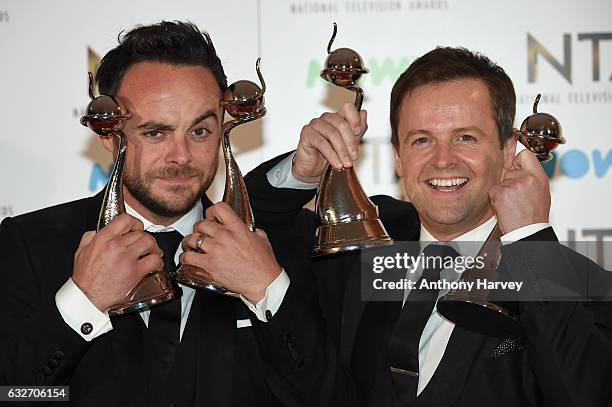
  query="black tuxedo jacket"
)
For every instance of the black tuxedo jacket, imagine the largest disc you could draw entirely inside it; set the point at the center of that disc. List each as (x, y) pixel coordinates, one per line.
(37, 347)
(565, 358)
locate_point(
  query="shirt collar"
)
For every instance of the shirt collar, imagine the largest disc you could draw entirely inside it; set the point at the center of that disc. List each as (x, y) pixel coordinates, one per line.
(477, 235)
(184, 225)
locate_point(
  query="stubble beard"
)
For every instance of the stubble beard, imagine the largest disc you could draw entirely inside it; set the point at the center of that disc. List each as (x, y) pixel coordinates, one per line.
(182, 199)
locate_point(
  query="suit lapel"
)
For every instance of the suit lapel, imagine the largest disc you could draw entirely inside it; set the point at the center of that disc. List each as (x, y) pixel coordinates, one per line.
(352, 310)
(456, 365)
(353, 306)
(93, 212)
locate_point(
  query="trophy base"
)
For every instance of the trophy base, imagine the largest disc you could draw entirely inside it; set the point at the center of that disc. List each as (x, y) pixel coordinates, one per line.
(199, 278)
(355, 235)
(481, 316)
(153, 289)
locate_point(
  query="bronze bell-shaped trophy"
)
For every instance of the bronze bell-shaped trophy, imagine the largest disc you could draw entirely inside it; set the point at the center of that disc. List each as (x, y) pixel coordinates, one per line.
(106, 117)
(348, 220)
(477, 310)
(244, 101)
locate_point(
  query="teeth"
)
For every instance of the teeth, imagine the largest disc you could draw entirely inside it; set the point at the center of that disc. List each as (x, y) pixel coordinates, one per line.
(437, 182)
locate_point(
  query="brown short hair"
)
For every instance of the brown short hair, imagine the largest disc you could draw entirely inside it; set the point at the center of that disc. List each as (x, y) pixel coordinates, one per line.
(171, 42)
(448, 64)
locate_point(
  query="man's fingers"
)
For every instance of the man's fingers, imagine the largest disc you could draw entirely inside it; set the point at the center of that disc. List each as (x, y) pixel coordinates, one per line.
(195, 259)
(324, 147)
(191, 242)
(336, 131)
(208, 227)
(120, 225)
(224, 214)
(87, 238)
(526, 160)
(261, 233)
(517, 174)
(147, 264)
(131, 237)
(363, 116)
(345, 139)
(141, 244)
(350, 113)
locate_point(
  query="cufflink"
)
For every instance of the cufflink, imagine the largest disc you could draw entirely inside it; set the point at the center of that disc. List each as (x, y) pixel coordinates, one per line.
(86, 328)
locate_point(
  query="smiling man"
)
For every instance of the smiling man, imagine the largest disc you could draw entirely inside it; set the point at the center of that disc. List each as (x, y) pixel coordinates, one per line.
(449, 154)
(59, 276)
(451, 114)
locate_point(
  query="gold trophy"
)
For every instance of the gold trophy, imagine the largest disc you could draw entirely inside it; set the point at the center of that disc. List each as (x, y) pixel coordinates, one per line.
(476, 310)
(106, 117)
(348, 220)
(244, 101)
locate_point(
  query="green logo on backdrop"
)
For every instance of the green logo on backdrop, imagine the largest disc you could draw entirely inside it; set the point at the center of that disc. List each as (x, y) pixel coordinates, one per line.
(388, 68)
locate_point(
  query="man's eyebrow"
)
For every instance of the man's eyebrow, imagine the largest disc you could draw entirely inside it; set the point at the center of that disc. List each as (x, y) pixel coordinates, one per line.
(205, 116)
(152, 125)
(469, 129)
(417, 131)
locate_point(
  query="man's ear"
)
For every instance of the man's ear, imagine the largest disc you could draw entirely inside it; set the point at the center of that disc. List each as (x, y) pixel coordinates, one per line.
(398, 163)
(109, 143)
(510, 150)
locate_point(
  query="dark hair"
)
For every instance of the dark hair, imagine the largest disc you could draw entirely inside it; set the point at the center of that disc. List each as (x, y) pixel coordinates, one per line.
(448, 64)
(172, 42)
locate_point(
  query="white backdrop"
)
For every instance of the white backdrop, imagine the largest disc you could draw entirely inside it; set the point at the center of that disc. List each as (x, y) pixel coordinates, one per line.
(560, 48)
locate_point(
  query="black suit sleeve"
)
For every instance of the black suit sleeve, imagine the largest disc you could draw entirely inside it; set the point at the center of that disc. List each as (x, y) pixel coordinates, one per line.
(301, 362)
(274, 207)
(36, 345)
(569, 342)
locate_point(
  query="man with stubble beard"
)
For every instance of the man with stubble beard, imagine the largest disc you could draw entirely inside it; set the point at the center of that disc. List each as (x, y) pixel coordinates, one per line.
(59, 277)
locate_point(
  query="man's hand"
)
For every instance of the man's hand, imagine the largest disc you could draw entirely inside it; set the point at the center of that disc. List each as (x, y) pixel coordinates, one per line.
(333, 138)
(523, 197)
(238, 259)
(108, 264)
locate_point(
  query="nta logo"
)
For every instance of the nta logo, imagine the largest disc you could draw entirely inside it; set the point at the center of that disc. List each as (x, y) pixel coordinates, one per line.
(536, 49)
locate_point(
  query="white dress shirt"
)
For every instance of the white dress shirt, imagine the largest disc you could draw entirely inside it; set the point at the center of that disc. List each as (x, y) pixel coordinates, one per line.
(438, 330)
(76, 309)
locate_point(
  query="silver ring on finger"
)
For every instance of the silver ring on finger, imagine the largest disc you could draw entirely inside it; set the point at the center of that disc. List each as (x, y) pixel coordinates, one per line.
(199, 242)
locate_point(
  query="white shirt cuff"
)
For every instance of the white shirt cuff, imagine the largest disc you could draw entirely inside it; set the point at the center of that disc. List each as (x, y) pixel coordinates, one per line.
(272, 300)
(523, 232)
(80, 313)
(280, 176)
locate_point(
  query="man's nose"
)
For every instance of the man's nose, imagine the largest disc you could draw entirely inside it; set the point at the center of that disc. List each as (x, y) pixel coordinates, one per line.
(180, 152)
(444, 156)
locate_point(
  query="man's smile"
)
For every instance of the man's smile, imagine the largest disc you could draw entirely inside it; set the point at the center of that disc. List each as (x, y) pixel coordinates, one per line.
(447, 184)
